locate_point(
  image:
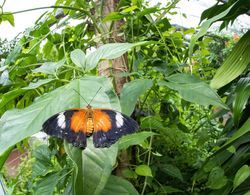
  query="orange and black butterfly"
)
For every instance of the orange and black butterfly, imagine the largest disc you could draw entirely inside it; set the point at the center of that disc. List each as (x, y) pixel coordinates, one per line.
(75, 125)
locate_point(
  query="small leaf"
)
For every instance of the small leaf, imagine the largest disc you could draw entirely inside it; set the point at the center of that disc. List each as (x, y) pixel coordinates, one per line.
(78, 57)
(50, 67)
(173, 171)
(216, 179)
(131, 92)
(7, 16)
(242, 174)
(193, 90)
(134, 139)
(38, 84)
(127, 173)
(143, 170)
(170, 189)
(113, 16)
(108, 51)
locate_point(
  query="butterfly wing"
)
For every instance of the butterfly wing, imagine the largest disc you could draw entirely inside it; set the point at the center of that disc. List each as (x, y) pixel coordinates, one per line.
(110, 125)
(69, 125)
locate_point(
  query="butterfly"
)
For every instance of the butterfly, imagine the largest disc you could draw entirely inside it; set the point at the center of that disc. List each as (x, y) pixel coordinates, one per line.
(75, 125)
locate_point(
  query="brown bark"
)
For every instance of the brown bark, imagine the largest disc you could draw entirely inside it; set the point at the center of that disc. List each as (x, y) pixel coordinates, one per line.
(118, 65)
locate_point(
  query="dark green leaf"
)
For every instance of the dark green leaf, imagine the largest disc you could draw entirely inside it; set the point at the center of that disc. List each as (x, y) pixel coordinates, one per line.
(173, 171)
(217, 179)
(131, 92)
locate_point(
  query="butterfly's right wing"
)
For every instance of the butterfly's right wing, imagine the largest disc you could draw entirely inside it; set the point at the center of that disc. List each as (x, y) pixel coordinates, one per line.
(69, 125)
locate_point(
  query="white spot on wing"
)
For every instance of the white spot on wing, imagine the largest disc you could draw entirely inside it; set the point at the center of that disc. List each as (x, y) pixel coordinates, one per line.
(61, 120)
(119, 120)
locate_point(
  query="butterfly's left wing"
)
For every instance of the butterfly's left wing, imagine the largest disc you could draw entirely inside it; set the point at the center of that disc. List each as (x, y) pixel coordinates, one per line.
(110, 125)
(69, 125)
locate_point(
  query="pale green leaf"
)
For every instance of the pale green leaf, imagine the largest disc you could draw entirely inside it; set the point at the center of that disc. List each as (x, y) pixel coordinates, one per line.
(37, 84)
(15, 125)
(7, 16)
(78, 57)
(131, 92)
(242, 174)
(193, 90)
(50, 67)
(109, 51)
(143, 170)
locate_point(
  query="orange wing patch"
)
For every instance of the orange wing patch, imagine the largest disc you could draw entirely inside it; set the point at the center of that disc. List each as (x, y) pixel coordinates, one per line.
(102, 121)
(78, 121)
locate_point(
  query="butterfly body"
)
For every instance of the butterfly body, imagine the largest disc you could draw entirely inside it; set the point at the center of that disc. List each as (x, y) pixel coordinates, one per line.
(75, 125)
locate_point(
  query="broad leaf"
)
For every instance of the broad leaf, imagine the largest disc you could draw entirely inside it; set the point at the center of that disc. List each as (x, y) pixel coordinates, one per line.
(193, 90)
(15, 125)
(143, 170)
(38, 84)
(237, 61)
(134, 139)
(50, 67)
(9, 96)
(101, 161)
(7, 16)
(131, 92)
(109, 51)
(78, 57)
(242, 174)
(117, 185)
(216, 179)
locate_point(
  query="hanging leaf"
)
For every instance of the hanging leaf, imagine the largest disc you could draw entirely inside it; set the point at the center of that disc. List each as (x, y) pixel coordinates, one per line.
(78, 57)
(172, 171)
(236, 62)
(131, 92)
(134, 139)
(50, 67)
(193, 90)
(7, 16)
(109, 51)
(117, 185)
(15, 125)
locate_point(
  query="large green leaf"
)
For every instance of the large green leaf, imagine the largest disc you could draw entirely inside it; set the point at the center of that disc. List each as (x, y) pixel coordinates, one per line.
(204, 27)
(237, 61)
(172, 171)
(216, 179)
(131, 92)
(194, 90)
(108, 51)
(143, 170)
(94, 166)
(15, 125)
(117, 185)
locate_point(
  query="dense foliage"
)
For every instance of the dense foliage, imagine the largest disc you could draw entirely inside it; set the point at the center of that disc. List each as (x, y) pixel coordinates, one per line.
(190, 97)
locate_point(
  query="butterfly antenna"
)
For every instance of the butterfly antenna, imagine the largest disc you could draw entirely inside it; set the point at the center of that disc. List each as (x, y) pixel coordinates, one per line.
(94, 95)
(81, 96)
